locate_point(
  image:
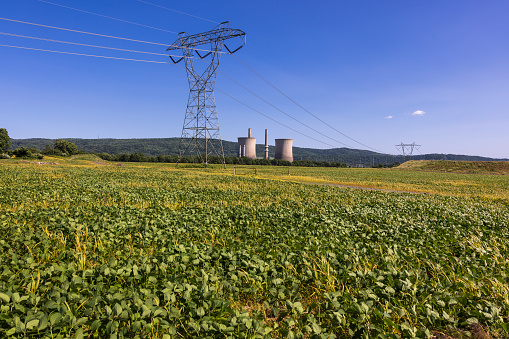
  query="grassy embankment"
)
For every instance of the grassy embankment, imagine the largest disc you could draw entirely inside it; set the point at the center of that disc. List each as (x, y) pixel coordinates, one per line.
(467, 167)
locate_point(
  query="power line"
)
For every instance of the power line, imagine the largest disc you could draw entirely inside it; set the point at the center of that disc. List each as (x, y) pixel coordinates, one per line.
(173, 10)
(160, 62)
(86, 45)
(134, 23)
(105, 16)
(296, 103)
(83, 32)
(128, 59)
(268, 117)
(89, 55)
(101, 35)
(288, 115)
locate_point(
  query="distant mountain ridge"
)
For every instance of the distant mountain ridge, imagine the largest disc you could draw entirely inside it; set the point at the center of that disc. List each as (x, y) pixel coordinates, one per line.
(169, 146)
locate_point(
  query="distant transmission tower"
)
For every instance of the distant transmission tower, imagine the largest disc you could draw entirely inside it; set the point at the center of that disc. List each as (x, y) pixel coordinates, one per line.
(407, 149)
(200, 132)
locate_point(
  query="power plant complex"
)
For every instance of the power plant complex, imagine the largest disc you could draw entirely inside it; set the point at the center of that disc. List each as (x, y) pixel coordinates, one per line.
(247, 147)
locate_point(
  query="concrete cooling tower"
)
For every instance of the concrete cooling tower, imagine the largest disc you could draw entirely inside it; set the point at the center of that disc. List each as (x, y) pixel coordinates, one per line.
(284, 149)
(247, 146)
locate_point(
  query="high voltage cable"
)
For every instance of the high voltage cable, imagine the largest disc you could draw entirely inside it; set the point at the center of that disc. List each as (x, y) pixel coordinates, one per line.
(173, 10)
(280, 110)
(83, 32)
(101, 35)
(86, 45)
(268, 117)
(105, 16)
(296, 103)
(160, 62)
(106, 57)
(89, 55)
(135, 23)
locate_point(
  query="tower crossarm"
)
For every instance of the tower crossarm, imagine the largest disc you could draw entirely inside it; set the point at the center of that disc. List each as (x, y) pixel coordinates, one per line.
(218, 34)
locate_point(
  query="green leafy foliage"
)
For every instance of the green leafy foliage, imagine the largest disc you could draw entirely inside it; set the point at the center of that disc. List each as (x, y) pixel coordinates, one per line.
(65, 147)
(153, 251)
(27, 153)
(5, 140)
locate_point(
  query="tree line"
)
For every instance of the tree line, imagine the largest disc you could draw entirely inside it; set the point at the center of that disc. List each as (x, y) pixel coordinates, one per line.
(170, 146)
(60, 147)
(140, 157)
(63, 147)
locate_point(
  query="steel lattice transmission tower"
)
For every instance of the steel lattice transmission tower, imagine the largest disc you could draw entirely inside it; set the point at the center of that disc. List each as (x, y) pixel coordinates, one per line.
(407, 149)
(200, 132)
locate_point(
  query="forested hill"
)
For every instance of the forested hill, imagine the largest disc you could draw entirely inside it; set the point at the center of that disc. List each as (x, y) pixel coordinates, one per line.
(169, 146)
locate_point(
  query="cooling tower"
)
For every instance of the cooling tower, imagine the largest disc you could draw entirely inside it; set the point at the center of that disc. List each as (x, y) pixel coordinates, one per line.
(284, 149)
(247, 146)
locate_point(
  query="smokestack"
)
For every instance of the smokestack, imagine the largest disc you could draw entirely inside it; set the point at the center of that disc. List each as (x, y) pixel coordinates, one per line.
(266, 144)
(249, 133)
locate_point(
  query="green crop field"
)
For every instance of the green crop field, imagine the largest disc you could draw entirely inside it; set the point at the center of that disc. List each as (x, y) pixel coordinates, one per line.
(89, 249)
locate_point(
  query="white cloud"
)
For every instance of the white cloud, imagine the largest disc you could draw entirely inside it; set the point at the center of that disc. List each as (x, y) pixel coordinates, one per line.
(389, 117)
(418, 113)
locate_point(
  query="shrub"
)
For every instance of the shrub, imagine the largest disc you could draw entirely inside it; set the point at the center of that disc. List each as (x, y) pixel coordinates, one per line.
(22, 152)
(65, 146)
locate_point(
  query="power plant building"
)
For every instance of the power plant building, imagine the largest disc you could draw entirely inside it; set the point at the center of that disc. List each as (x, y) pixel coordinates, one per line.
(247, 146)
(284, 149)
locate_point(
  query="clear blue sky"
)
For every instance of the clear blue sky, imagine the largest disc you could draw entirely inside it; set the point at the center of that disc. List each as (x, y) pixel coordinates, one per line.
(381, 71)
